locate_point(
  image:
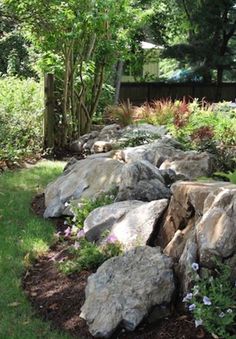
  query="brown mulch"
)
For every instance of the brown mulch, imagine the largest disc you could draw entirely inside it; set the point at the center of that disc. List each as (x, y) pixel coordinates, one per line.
(58, 298)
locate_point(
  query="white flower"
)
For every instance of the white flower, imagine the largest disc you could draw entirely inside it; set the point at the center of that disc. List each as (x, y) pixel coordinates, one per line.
(66, 204)
(206, 300)
(65, 222)
(221, 315)
(198, 322)
(195, 290)
(192, 307)
(187, 297)
(229, 310)
(195, 266)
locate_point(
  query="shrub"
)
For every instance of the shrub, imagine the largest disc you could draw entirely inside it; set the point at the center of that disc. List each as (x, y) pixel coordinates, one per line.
(21, 118)
(123, 114)
(212, 301)
(205, 127)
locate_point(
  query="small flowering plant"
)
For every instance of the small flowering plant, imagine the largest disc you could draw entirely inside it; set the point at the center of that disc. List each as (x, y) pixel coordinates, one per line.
(86, 255)
(86, 206)
(213, 302)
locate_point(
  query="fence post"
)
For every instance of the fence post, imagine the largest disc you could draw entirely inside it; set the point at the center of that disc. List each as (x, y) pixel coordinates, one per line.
(49, 119)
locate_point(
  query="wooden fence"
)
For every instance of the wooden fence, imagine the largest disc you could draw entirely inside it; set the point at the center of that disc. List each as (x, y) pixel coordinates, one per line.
(138, 93)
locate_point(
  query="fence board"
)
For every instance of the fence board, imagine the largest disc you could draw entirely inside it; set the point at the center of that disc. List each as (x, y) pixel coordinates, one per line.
(138, 93)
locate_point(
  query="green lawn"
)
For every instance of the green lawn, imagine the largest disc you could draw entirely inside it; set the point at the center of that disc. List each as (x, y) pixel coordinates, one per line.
(22, 236)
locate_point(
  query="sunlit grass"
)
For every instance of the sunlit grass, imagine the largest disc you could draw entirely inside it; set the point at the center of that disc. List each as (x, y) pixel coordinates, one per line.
(23, 236)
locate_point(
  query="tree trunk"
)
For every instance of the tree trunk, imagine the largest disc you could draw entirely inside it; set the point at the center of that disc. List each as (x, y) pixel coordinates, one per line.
(118, 76)
(220, 71)
(49, 119)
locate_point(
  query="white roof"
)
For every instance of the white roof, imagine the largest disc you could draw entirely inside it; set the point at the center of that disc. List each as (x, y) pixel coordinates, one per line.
(149, 45)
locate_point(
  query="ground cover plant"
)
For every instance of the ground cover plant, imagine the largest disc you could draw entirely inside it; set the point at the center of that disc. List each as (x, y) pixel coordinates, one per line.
(21, 118)
(23, 236)
(212, 301)
(86, 255)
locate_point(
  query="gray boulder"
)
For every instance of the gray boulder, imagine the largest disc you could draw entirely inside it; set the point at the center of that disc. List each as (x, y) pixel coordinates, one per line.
(110, 133)
(83, 179)
(78, 146)
(190, 165)
(125, 288)
(131, 222)
(156, 153)
(142, 181)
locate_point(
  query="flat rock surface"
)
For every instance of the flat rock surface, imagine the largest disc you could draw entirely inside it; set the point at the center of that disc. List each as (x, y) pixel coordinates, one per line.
(83, 179)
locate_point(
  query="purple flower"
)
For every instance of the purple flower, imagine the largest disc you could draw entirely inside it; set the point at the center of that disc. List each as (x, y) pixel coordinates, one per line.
(192, 307)
(80, 234)
(111, 239)
(206, 300)
(195, 266)
(67, 232)
(187, 297)
(198, 322)
(76, 245)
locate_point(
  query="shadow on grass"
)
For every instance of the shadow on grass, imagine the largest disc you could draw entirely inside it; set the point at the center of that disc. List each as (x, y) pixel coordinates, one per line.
(23, 236)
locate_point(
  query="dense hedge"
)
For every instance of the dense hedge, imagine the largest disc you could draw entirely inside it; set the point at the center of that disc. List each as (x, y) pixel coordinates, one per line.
(21, 118)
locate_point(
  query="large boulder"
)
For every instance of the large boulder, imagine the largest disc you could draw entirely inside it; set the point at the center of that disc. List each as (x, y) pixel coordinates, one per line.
(131, 222)
(83, 179)
(142, 181)
(199, 224)
(185, 209)
(191, 165)
(125, 288)
(156, 152)
(216, 231)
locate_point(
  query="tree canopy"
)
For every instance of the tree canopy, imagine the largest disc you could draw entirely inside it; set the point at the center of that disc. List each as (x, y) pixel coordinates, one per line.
(209, 33)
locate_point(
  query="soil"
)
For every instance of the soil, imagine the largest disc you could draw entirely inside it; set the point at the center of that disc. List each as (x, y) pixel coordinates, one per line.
(58, 298)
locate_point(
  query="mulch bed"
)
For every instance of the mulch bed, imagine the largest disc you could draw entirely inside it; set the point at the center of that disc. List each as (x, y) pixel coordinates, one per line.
(58, 298)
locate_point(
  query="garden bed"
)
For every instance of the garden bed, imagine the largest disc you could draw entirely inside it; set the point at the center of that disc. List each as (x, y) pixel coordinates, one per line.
(58, 298)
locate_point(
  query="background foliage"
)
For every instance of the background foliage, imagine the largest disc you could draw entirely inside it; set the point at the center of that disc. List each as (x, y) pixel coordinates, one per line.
(21, 118)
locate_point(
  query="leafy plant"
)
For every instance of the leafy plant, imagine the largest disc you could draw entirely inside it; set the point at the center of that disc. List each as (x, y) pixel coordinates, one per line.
(21, 118)
(122, 114)
(137, 138)
(86, 206)
(231, 176)
(89, 256)
(212, 301)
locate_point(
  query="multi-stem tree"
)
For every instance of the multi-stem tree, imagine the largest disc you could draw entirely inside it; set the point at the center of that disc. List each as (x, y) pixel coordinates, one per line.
(78, 40)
